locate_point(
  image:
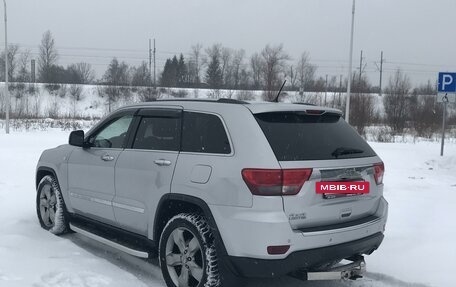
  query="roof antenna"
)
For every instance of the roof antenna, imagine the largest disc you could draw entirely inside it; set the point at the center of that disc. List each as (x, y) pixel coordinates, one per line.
(276, 100)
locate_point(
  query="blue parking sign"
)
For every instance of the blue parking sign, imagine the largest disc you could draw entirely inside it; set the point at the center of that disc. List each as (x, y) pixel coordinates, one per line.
(447, 83)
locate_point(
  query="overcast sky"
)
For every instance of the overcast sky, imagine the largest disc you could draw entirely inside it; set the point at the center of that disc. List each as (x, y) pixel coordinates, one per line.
(417, 35)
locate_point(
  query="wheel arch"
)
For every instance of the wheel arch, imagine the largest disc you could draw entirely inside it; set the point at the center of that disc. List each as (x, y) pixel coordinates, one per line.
(43, 171)
(172, 204)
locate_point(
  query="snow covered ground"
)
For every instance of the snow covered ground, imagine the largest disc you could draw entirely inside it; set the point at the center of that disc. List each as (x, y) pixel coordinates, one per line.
(418, 249)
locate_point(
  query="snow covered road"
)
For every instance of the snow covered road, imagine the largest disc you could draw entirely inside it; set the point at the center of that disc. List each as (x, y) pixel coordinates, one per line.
(418, 249)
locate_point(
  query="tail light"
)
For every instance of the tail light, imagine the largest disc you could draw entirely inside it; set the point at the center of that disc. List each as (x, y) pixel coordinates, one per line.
(270, 182)
(379, 170)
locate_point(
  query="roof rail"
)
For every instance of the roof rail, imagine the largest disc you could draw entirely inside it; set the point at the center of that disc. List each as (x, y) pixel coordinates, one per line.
(222, 101)
(232, 101)
(307, 104)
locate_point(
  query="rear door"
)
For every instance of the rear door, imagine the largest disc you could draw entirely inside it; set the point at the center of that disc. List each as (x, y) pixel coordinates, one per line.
(145, 169)
(335, 152)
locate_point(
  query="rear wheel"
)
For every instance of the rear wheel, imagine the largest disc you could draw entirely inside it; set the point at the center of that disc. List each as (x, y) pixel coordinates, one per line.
(50, 207)
(187, 252)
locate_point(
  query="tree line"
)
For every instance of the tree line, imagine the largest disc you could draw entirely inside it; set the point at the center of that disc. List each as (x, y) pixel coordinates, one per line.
(217, 67)
(214, 67)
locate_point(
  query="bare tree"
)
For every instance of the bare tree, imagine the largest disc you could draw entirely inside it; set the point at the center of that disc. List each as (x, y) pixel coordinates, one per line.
(332, 85)
(238, 59)
(116, 78)
(425, 114)
(23, 74)
(396, 101)
(117, 73)
(292, 76)
(196, 59)
(305, 72)
(75, 92)
(81, 73)
(12, 62)
(225, 64)
(274, 59)
(362, 111)
(213, 51)
(141, 75)
(256, 65)
(425, 89)
(47, 57)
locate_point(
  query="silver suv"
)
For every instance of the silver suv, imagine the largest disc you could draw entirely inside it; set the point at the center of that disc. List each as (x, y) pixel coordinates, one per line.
(218, 189)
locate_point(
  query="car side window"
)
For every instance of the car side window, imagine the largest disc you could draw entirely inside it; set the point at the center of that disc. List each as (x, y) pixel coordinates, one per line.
(204, 133)
(114, 135)
(158, 133)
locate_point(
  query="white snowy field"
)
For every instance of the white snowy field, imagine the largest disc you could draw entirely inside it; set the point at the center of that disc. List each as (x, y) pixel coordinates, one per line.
(418, 249)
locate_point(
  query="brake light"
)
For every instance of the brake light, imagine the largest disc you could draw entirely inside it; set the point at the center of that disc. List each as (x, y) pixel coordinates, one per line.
(379, 170)
(273, 182)
(315, 112)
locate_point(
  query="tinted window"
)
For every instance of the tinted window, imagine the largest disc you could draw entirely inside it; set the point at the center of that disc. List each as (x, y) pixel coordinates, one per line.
(155, 133)
(297, 136)
(113, 135)
(204, 133)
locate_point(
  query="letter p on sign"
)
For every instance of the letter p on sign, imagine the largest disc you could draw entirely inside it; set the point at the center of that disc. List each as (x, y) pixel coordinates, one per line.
(447, 80)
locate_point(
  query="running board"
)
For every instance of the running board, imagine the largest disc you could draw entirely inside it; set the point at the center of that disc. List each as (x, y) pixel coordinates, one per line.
(131, 251)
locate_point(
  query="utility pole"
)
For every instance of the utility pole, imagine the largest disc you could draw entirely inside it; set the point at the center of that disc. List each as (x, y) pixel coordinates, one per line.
(445, 103)
(7, 96)
(150, 62)
(347, 107)
(155, 68)
(381, 72)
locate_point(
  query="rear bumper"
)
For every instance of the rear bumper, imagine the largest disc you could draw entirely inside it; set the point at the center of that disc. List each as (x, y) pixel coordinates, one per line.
(305, 259)
(246, 233)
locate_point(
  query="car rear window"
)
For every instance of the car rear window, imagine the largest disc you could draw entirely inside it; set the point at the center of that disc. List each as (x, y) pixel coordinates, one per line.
(295, 136)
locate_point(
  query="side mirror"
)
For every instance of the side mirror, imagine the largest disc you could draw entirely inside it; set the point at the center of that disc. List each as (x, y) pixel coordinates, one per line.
(76, 138)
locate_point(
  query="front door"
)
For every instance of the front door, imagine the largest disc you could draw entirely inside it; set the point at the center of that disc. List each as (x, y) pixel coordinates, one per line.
(91, 170)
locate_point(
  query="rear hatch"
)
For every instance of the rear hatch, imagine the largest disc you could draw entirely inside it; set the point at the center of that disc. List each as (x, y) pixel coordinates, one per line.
(322, 145)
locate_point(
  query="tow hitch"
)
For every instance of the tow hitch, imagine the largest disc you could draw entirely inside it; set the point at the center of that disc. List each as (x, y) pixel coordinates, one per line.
(351, 271)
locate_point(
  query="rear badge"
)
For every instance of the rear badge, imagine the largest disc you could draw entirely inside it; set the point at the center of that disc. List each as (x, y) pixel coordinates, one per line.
(334, 189)
(297, 216)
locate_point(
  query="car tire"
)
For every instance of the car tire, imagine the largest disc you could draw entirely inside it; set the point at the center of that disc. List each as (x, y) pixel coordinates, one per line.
(50, 207)
(187, 253)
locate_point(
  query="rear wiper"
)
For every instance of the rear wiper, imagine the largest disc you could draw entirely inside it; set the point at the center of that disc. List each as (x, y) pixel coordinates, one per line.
(345, 150)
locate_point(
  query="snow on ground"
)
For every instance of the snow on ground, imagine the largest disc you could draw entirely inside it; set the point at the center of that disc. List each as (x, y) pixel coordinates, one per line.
(421, 189)
(40, 102)
(418, 249)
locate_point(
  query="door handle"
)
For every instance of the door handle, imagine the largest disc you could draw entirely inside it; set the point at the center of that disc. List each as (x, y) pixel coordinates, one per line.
(107, 157)
(162, 162)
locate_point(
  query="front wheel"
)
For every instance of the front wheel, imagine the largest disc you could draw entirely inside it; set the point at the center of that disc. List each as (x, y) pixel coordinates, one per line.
(187, 252)
(50, 206)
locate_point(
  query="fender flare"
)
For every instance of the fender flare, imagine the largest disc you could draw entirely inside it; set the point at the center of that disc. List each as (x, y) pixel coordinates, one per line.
(47, 169)
(219, 245)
